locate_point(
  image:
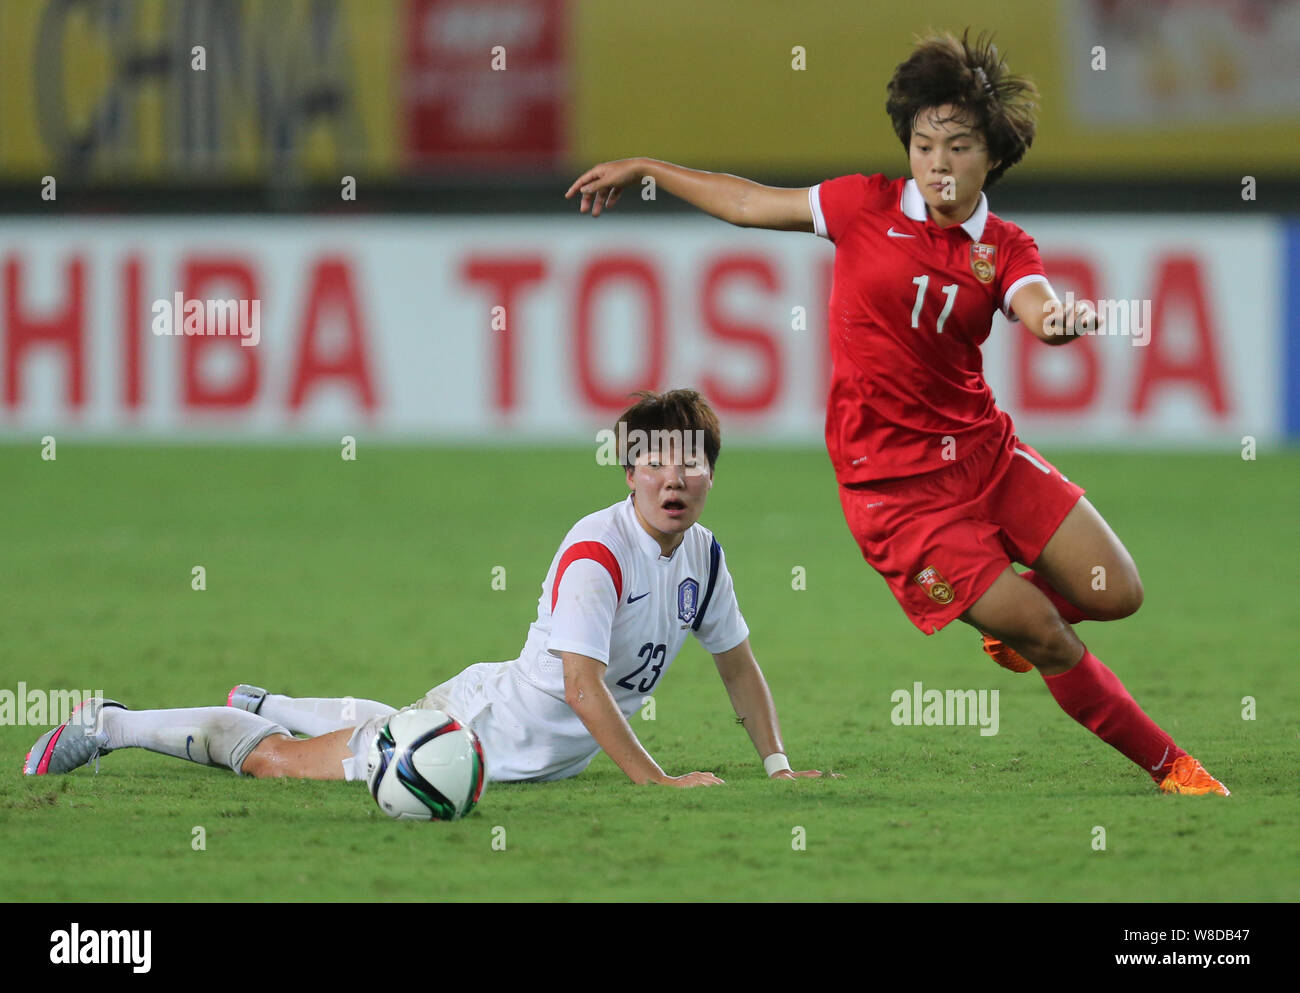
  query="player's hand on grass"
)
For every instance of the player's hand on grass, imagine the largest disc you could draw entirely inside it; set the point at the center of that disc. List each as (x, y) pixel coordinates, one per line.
(692, 779)
(601, 185)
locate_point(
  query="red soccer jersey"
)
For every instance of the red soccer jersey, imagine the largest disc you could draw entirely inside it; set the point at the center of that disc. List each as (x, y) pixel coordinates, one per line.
(910, 305)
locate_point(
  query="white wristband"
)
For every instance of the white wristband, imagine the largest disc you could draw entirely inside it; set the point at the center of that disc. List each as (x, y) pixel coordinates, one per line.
(776, 762)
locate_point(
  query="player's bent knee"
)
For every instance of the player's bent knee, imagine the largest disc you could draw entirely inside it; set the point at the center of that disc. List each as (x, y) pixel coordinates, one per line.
(1122, 600)
(1133, 597)
(270, 759)
(1048, 642)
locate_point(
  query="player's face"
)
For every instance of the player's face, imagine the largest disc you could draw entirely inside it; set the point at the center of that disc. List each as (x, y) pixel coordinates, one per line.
(950, 161)
(669, 492)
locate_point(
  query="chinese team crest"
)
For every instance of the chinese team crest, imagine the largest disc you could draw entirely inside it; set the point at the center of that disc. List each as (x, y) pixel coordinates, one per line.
(688, 600)
(982, 261)
(934, 585)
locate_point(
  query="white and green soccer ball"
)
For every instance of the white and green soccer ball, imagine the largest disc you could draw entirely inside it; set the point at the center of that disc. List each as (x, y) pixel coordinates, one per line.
(425, 765)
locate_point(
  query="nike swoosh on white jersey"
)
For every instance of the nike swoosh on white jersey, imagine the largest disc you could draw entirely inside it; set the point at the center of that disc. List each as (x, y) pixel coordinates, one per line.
(898, 234)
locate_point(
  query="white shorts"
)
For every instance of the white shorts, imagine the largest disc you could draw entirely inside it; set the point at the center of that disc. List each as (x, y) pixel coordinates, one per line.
(519, 743)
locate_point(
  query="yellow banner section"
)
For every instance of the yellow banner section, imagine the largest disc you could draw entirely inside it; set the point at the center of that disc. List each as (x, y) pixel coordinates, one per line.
(720, 85)
(163, 89)
(294, 90)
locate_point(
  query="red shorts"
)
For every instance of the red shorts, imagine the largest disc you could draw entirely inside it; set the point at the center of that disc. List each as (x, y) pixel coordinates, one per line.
(940, 539)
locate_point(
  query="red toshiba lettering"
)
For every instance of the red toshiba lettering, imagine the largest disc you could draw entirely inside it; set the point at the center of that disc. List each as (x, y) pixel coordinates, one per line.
(61, 330)
(749, 270)
(331, 297)
(214, 278)
(596, 277)
(1179, 284)
(133, 323)
(505, 279)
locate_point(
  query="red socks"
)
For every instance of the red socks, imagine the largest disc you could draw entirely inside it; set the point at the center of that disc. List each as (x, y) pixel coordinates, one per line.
(1094, 696)
(1068, 611)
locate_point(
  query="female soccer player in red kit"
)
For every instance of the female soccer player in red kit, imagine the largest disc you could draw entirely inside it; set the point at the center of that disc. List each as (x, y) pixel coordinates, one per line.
(938, 490)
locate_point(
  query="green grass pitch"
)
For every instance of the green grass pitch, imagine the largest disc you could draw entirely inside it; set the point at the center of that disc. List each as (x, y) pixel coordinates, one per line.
(374, 578)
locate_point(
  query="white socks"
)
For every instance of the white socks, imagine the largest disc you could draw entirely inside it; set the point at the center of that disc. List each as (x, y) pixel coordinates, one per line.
(314, 716)
(221, 736)
(226, 736)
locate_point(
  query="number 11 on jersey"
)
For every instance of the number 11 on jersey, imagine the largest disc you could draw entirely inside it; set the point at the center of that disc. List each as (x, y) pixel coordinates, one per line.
(950, 291)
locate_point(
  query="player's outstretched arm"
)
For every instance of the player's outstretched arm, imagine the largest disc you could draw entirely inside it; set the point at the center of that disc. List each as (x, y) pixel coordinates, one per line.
(752, 701)
(738, 201)
(585, 691)
(1048, 320)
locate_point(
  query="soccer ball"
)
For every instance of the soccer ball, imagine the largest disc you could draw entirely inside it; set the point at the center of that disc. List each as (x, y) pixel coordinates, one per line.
(425, 765)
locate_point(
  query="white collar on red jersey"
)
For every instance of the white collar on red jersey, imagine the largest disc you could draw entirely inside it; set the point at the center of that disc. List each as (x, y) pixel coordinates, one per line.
(914, 208)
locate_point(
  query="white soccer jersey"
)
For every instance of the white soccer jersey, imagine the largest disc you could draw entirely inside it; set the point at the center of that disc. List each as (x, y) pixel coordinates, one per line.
(612, 595)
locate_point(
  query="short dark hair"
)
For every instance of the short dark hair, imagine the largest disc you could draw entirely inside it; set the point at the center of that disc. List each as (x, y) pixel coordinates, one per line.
(674, 410)
(976, 81)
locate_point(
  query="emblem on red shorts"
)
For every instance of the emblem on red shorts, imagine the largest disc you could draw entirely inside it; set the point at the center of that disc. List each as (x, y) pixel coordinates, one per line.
(983, 261)
(934, 584)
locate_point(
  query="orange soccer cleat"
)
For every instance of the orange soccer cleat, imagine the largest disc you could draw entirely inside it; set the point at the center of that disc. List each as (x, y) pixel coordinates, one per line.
(1189, 776)
(1005, 655)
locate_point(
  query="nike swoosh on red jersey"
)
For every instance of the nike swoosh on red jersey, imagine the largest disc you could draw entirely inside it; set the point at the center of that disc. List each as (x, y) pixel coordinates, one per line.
(898, 234)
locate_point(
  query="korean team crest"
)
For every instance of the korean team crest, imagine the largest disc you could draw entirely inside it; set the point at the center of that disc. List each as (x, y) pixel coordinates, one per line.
(983, 261)
(688, 600)
(934, 585)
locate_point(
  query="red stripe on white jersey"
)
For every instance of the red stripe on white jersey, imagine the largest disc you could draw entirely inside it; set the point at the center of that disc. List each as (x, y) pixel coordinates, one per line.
(595, 551)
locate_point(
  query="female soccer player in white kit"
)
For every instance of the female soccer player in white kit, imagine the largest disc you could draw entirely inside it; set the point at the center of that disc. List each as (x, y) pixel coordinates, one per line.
(626, 587)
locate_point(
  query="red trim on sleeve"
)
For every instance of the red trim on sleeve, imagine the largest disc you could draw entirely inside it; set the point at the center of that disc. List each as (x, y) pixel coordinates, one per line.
(595, 551)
